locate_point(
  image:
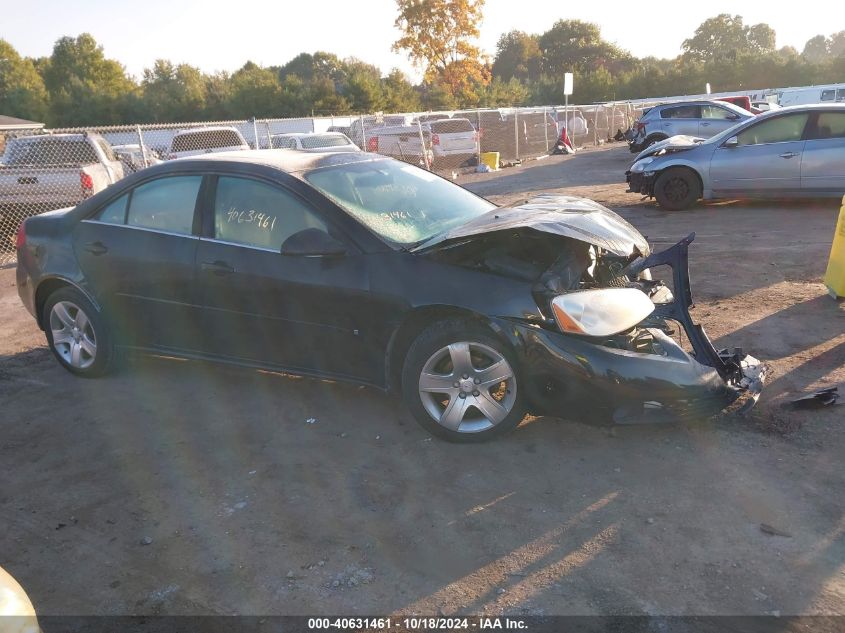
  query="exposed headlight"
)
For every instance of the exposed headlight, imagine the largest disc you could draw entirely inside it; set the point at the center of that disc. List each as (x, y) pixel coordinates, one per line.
(602, 312)
(641, 164)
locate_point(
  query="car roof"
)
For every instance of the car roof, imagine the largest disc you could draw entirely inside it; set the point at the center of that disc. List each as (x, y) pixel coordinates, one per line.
(208, 128)
(306, 134)
(287, 160)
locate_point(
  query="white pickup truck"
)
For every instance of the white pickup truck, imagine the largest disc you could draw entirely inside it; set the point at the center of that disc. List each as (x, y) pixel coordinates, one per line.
(51, 171)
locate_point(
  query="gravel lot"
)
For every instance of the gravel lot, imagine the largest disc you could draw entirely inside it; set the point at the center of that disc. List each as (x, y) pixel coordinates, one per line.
(182, 487)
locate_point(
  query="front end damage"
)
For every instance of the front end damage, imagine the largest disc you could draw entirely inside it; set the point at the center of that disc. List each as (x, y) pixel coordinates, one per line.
(639, 374)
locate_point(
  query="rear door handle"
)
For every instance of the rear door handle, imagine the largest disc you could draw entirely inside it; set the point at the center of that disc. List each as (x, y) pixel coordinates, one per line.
(218, 268)
(789, 154)
(96, 248)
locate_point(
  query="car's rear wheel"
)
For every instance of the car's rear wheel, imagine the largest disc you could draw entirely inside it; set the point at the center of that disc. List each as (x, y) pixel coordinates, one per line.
(461, 383)
(677, 189)
(77, 333)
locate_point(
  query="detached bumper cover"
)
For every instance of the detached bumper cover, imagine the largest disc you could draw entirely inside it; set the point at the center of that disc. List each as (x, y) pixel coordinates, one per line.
(563, 369)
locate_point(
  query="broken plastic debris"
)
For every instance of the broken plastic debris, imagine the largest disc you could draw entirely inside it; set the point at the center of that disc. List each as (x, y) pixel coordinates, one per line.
(817, 399)
(311, 420)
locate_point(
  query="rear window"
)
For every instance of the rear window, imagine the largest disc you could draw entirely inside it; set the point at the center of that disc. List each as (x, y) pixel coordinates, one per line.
(50, 151)
(207, 139)
(452, 126)
(315, 142)
(840, 95)
(828, 95)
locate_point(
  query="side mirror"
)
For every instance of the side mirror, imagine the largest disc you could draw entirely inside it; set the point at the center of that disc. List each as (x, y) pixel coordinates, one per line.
(313, 243)
(731, 142)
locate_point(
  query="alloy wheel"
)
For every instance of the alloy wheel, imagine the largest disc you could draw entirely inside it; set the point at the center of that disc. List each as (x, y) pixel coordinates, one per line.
(73, 335)
(467, 387)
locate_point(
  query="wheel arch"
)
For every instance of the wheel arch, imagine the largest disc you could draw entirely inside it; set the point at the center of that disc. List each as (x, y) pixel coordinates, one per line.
(418, 320)
(47, 287)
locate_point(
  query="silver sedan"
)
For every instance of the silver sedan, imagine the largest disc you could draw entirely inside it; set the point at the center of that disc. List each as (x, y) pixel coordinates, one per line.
(787, 153)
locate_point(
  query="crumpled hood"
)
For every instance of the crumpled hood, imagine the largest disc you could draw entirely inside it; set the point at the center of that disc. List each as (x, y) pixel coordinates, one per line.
(568, 216)
(672, 144)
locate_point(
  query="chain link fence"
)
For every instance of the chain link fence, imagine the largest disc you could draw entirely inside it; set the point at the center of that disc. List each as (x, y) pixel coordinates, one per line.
(42, 170)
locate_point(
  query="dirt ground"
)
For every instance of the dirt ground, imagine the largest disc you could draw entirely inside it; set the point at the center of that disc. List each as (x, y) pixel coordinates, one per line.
(182, 487)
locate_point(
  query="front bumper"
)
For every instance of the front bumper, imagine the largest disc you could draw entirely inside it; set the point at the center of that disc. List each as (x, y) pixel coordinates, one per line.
(564, 370)
(640, 182)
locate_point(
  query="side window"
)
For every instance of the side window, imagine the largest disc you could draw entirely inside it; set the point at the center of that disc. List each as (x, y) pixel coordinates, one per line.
(828, 95)
(257, 214)
(681, 112)
(780, 129)
(840, 95)
(166, 204)
(830, 125)
(715, 112)
(114, 212)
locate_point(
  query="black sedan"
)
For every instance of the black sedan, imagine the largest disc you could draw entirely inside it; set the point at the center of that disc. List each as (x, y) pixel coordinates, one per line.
(362, 268)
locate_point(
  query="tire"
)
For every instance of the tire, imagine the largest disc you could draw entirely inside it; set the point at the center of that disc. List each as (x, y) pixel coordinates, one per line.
(677, 188)
(85, 346)
(487, 403)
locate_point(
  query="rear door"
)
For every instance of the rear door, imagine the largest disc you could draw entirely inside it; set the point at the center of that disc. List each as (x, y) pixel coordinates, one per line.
(766, 161)
(138, 253)
(823, 164)
(715, 119)
(682, 119)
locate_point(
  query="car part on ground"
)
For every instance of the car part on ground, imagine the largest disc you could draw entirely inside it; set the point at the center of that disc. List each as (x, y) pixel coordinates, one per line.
(414, 284)
(785, 153)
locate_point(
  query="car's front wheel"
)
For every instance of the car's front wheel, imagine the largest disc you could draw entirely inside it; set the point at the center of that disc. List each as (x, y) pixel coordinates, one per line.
(677, 188)
(461, 383)
(77, 333)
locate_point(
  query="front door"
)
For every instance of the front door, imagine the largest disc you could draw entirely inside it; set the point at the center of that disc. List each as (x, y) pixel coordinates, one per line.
(302, 313)
(138, 252)
(765, 161)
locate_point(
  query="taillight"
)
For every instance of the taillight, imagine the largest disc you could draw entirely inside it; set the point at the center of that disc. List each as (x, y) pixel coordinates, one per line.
(20, 238)
(372, 144)
(435, 139)
(87, 184)
(640, 127)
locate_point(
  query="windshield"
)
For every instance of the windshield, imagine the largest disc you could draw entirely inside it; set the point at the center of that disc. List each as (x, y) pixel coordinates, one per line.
(403, 204)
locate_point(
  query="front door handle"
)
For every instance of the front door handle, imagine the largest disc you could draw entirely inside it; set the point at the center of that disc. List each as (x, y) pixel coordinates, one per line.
(789, 154)
(96, 248)
(218, 268)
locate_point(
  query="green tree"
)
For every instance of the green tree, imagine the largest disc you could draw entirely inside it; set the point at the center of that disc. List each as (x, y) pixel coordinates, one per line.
(726, 37)
(173, 93)
(816, 49)
(86, 88)
(22, 91)
(573, 45)
(364, 91)
(255, 92)
(837, 44)
(518, 55)
(399, 93)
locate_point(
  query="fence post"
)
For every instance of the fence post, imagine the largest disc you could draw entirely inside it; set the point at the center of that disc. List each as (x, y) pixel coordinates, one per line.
(422, 144)
(478, 134)
(516, 130)
(595, 126)
(141, 145)
(363, 135)
(255, 132)
(546, 128)
(269, 134)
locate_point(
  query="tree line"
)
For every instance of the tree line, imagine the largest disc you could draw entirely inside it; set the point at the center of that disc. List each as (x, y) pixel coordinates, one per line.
(78, 85)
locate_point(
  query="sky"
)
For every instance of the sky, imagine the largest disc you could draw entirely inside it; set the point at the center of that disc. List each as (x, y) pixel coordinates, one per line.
(216, 35)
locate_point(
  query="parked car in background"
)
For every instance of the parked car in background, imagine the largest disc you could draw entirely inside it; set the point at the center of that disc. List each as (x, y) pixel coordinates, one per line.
(132, 158)
(359, 128)
(453, 141)
(358, 267)
(410, 143)
(785, 153)
(765, 106)
(50, 171)
(342, 129)
(314, 142)
(742, 101)
(206, 140)
(701, 119)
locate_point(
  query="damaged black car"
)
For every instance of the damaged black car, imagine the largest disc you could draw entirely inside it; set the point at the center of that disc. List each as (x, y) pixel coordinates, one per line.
(362, 268)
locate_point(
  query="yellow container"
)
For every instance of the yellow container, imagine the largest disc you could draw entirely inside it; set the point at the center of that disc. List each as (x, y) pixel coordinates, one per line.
(491, 159)
(834, 278)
